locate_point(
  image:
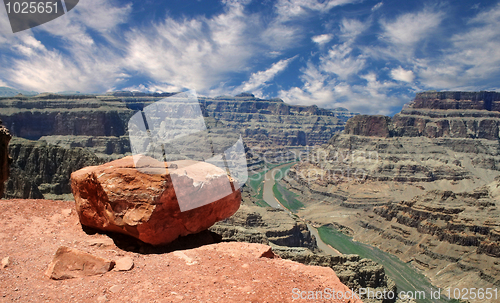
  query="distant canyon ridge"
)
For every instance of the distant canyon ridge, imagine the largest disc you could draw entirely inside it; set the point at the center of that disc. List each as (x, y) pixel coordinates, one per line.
(68, 132)
(423, 185)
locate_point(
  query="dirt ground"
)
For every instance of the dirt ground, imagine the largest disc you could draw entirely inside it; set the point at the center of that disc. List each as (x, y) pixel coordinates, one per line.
(31, 231)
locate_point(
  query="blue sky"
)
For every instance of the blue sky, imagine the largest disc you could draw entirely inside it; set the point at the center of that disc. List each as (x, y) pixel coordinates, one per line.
(368, 56)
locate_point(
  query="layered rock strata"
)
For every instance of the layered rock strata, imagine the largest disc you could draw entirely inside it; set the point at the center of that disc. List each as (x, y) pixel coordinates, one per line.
(99, 123)
(420, 185)
(473, 115)
(353, 271)
(43, 170)
(265, 225)
(264, 123)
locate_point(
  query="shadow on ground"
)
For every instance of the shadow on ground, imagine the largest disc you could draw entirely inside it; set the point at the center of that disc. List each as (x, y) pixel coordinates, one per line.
(132, 244)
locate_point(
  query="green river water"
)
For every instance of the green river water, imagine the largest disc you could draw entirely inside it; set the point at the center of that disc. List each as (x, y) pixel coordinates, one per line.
(409, 280)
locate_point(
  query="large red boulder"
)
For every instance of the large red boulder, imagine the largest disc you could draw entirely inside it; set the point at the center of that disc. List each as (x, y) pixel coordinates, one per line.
(118, 197)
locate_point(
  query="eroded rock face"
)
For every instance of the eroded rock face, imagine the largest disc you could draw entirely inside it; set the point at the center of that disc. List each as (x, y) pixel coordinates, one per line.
(40, 170)
(365, 125)
(265, 225)
(117, 197)
(427, 193)
(5, 160)
(474, 115)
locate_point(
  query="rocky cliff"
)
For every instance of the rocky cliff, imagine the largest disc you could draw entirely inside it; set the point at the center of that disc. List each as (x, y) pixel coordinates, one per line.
(290, 239)
(473, 115)
(34, 230)
(265, 225)
(421, 185)
(5, 159)
(262, 122)
(273, 123)
(43, 170)
(98, 123)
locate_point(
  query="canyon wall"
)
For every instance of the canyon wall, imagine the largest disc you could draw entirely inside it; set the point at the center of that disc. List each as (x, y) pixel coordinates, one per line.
(422, 185)
(474, 115)
(98, 124)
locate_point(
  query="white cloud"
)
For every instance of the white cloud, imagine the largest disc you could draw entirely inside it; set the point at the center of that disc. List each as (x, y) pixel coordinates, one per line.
(400, 74)
(377, 6)
(322, 39)
(260, 78)
(472, 60)
(351, 28)
(47, 70)
(320, 89)
(102, 16)
(410, 28)
(280, 36)
(340, 61)
(194, 53)
(289, 9)
(77, 63)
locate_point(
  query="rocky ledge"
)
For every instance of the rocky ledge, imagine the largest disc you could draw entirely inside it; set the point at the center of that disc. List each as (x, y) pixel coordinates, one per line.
(34, 230)
(5, 159)
(267, 226)
(437, 114)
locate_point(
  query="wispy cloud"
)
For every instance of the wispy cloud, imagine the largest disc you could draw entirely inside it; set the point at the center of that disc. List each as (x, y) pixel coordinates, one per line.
(78, 62)
(260, 78)
(366, 60)
(401, 74)
(370, 96)
(472, 60)
(410, 28)
(377, 6)
(322, 39)
(289, 9)
(195, 53)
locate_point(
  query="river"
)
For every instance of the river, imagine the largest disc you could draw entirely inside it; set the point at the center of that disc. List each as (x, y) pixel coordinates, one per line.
(270, 199)
(407, 278)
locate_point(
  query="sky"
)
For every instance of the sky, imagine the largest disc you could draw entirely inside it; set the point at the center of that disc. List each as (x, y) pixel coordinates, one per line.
(368, 56)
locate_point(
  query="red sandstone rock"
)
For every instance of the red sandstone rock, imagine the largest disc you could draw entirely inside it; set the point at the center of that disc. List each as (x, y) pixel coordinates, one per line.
(117, 197)
(226, 272)
(71, 263)
(365, 125)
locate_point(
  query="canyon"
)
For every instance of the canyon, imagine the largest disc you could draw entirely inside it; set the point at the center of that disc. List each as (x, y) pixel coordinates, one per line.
(422, 185)
(83, 130)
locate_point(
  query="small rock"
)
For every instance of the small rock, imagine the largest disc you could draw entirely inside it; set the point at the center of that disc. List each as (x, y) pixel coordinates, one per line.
(116, 289)
(71, 263)
(124, 264)
(101, 243)
(102, 299)
(66, 212)
(5, 262)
